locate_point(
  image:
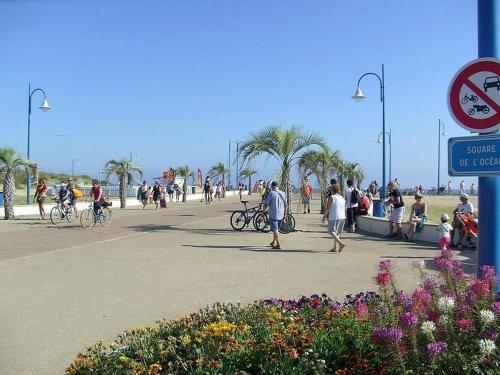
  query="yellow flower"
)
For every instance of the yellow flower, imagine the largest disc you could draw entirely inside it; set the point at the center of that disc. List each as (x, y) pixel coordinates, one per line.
(186, 340)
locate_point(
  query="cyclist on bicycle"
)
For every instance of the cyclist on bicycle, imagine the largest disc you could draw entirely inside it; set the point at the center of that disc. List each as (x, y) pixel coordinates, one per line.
(96, 191)
(64, 196)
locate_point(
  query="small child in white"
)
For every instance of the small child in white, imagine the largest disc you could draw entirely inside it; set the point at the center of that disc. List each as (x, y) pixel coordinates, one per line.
(444, 230)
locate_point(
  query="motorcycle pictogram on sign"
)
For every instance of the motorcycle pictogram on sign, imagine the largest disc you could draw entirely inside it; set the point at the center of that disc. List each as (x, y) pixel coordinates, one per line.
(474, 96)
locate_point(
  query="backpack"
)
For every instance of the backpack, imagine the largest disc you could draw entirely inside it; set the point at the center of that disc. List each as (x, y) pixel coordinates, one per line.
(354, 196)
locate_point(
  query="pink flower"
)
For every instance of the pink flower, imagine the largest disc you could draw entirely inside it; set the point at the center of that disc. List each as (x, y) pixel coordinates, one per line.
(488, 274)
(361, 308)
(385, 265)
(465, 324)
(409, 319)
(383, 278)
(496, 308)
(480, 287)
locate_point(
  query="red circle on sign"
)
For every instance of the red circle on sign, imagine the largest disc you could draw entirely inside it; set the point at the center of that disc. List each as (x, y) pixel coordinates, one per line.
(461, 78)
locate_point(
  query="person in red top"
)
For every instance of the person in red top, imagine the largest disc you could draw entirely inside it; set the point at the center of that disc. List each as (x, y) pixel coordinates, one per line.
(97, 194)
(41, 192)
(306, 191)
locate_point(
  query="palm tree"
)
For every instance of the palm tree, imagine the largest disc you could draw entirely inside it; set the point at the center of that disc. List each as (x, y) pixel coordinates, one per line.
(10, 163)
(285, 145)
(219, 170)
(185, 173)
(248, 173)
(322, 164)
(354, 172)
(124, 170)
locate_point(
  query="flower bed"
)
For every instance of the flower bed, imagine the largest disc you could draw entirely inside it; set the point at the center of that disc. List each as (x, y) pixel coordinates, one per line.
(449, 324)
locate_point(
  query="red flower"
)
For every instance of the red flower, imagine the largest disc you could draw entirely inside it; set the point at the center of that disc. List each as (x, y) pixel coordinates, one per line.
(383, 278)
(465, 324)
(361, 308)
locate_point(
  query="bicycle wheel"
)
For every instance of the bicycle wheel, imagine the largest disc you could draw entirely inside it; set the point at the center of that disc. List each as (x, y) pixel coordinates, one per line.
(238, 220)
(70, 214)
(105, 217)
(55, 215)
(287, 224)
(87, 218)
(261, 222)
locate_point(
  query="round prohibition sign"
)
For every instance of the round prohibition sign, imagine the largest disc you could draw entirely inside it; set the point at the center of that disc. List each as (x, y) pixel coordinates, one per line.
(474, 96)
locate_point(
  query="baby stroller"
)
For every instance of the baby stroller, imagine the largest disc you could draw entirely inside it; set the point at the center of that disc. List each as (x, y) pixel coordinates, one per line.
(469, 227)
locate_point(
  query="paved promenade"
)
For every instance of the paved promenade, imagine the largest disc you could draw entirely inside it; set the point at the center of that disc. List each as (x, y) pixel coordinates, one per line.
(64, 288)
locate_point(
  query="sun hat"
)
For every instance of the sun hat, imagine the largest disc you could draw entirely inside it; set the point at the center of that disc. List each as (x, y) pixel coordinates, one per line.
(464, 195)
(445, 217)
(419, 195)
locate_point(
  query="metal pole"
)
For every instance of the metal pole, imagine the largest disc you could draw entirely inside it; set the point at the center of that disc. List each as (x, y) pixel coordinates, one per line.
(28, 153)
(382, 98)
(439, 152)
(229, 167)
(488, 252)
(130, 158)
(237, 164)
(72, 168)
(390, 154)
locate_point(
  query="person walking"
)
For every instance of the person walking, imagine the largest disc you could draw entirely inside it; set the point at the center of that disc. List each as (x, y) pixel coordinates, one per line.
(444, 230)
(462, 187)
(398, 210)
(275, 202)
(39, 198)
(306, 191)
(206, 189)
(472, 189)
(142, 194)
(170, 191)
(352, 198)
(335, 213)
(178, 193)
(157, 194)
(449, 187)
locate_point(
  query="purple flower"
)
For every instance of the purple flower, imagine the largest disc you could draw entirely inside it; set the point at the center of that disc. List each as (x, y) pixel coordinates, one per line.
(430, 284)
(443, 264)
(385, 265)
(492, 335)
(496, 308)
(434, 348)
(387, 335)
(488, 274)
(409, 319)
(404, 300)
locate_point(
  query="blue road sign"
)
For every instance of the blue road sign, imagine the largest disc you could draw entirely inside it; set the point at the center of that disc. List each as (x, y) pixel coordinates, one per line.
(474, 156)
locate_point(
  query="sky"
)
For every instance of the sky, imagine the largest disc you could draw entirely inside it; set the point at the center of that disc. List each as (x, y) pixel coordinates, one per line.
(174, 81)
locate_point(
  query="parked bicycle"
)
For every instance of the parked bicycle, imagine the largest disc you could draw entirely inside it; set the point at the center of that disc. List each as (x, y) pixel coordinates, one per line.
(59, 212)
(261, 223)
(90, 216)
(242, 218)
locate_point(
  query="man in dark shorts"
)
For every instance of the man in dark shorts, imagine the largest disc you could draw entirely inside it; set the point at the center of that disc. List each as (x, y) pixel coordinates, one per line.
(97, 194)
(206, 189)
(351, 200)
(398, 210)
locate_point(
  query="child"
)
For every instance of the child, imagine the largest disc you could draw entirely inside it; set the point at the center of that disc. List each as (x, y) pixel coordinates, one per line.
(444, 230)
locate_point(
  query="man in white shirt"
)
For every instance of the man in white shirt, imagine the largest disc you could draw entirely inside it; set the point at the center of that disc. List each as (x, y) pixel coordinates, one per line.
(466, 208)
(462, 187)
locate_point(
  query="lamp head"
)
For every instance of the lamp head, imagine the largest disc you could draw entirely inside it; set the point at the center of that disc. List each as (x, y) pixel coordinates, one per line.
(358, 95)
(45, 107)
(379, 140)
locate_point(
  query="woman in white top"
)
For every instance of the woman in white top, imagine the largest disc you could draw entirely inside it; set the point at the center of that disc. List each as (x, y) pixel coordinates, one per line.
(335, 212)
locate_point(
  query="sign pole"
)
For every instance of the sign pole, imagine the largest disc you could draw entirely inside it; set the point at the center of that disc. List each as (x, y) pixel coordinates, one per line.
(488, 252)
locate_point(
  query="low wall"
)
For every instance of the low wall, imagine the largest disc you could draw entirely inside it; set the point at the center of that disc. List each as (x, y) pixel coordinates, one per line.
(32, 209)
(380, 226)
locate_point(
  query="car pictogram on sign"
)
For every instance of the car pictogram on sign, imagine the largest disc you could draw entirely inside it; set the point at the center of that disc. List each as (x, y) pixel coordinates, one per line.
(491, 82)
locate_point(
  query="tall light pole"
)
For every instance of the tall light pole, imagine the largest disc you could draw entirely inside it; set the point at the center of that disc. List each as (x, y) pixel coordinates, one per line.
(380, 140)
(229, 167)
(440, 134)
(73, 161)
(358, 96)
(237, 163)
(133, 155)
(44, 107)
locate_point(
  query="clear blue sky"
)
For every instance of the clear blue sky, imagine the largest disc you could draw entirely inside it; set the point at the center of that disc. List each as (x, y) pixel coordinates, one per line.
(173, 81)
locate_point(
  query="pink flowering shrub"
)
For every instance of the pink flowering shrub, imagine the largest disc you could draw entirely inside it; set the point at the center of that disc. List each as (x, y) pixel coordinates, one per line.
(449, 324)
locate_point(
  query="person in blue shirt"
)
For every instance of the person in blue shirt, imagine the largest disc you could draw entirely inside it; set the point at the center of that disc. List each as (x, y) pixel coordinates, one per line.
(275, 203)
(64, 196)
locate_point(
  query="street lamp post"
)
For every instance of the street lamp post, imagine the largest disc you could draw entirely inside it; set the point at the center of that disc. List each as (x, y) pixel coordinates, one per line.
(358, 96)
(73, 161)
(440, 134)
(133, 155)
(44, 107)
(229, 167)
(380, 140)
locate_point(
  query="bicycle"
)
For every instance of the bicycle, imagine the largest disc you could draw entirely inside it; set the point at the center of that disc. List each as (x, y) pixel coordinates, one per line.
(241, 218)
(89, 216)
(261, 223)
(58, 212)
(473, 98)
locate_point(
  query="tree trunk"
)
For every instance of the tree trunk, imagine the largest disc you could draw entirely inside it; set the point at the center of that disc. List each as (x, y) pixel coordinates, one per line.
(184, 189)
(8, 196)
(249, 185)
(123, 196)
(286, 175)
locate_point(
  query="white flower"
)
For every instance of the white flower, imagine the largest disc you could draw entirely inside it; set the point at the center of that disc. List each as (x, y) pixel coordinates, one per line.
(445, 304)
(428, 327)
(487, 316)
(486, 347)
(443, 320)
(420, 264)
